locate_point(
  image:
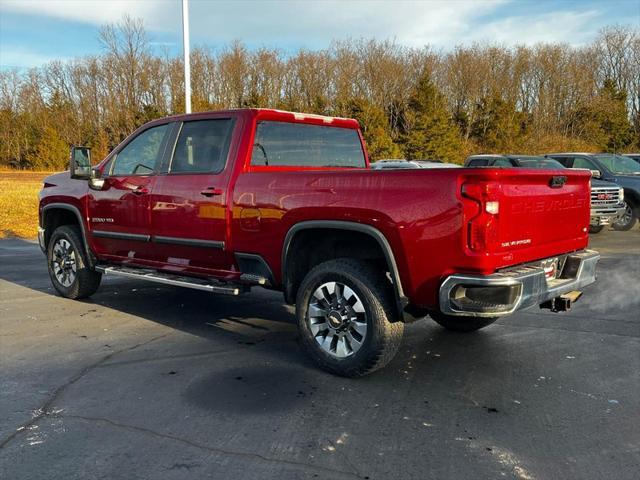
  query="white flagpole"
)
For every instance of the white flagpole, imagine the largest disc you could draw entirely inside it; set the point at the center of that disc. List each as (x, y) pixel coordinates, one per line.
(187, 62)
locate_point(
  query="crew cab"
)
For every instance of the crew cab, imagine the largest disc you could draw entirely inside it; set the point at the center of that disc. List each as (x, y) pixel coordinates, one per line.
(229, 200)
(618, 169)
(607, 199)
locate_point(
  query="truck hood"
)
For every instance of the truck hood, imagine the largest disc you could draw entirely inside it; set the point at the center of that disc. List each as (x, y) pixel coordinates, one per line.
(57, 178)
(596, 182)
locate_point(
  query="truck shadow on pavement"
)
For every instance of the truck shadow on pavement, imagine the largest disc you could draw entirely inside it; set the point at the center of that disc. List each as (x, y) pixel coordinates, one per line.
(274, 374)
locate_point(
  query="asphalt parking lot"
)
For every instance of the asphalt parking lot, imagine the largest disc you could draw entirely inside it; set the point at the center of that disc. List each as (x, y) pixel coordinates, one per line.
(151, 382)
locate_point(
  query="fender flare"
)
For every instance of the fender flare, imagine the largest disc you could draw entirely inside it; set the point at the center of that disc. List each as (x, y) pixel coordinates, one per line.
(65, 206)
(400, 298)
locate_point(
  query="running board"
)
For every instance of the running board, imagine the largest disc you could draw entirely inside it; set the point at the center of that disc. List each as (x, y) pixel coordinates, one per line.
(176, 280)
(252, 279)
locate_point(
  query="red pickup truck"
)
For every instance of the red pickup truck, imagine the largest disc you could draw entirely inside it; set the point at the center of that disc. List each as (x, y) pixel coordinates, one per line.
(227, 200)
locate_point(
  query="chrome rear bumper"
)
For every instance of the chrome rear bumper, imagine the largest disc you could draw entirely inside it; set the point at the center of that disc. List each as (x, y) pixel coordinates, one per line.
(516, 288)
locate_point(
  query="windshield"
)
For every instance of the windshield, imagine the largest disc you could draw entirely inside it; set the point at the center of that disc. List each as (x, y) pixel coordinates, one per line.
(620, 164)
(538, 162)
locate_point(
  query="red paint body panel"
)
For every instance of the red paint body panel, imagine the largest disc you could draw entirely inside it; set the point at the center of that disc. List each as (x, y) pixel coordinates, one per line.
(423, 214)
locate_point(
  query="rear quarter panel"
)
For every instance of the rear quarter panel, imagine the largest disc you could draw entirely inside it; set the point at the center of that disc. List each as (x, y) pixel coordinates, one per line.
(419, 212)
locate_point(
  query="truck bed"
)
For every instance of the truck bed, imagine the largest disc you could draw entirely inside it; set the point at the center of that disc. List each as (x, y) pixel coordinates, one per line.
(423, 214)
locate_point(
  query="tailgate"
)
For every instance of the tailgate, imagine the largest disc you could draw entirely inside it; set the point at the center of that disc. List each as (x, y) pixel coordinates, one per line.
(539, 213)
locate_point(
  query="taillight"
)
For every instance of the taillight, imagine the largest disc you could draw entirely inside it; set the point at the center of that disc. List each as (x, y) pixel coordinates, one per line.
(482, 207)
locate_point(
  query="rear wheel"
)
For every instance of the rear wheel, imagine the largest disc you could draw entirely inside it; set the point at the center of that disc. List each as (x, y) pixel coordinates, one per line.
(628, 219)
(344, 310)
(461, 324)
(69, 270)
(595, 228)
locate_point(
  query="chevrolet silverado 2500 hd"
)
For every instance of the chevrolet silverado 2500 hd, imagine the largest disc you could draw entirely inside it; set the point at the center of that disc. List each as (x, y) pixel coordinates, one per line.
(228, 200)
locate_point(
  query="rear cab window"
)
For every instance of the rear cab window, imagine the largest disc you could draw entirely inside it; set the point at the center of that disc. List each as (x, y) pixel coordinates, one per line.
(283, 144)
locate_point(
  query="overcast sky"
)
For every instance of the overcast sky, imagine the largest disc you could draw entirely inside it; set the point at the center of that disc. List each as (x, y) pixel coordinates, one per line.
(33, 32)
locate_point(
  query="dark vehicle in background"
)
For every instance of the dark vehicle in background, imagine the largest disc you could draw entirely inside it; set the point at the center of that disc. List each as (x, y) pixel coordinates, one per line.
(523, 161)
(621, 170)
(607, 204)
(394, 164)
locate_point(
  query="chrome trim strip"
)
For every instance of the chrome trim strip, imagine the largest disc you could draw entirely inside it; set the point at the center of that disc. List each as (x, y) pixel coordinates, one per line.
(189, 242)
(121, 235)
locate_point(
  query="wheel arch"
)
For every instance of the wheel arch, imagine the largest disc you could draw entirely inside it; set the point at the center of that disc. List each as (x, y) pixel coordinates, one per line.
(633, 197)
(57, 214)
(289, 281)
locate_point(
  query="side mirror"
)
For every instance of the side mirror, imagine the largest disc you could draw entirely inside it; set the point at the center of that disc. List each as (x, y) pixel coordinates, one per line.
(80, 162)
(596, 173)
(96, 182)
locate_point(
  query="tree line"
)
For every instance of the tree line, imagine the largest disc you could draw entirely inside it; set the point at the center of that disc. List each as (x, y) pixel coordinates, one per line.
(414, 103)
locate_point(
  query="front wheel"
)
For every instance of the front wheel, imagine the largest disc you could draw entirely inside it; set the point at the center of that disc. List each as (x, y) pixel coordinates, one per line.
(628, 219)
(69, 270)
(595, 228)
(461, 324)
(344, 309)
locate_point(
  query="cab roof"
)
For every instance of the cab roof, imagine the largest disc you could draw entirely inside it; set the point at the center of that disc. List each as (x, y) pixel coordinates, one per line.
(270, 114)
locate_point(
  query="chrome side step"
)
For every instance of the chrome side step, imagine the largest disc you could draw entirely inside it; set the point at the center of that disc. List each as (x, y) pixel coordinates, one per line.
(176, 280)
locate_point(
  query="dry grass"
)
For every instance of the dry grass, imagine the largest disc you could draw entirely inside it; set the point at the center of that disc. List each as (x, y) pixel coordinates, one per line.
(19, 203)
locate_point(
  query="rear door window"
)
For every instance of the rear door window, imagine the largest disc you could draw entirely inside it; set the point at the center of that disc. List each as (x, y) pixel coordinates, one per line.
(579, 162)
(566, 161)
(303, 145)
(202, 146)
(502, 162)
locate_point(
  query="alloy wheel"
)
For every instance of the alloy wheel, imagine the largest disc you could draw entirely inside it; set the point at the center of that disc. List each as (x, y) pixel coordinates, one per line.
(337, 319)
(64, 262)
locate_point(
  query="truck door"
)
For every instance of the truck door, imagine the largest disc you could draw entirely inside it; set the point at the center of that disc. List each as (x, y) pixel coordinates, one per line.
(188, 201)
(119, 213)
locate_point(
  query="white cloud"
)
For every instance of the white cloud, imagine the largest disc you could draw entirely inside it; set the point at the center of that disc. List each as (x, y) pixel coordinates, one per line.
(560, 26)
(314, 23)
(93, 11)
(412, 22)
(21, 58)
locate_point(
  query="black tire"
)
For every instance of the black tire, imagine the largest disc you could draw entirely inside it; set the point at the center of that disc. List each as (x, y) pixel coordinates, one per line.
(461, 324)
(374, 292)
(628, 220)
(596, 228)
(84, 281)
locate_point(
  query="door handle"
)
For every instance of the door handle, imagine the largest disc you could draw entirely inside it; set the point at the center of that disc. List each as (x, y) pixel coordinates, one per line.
(140, 191)
(211, 192)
